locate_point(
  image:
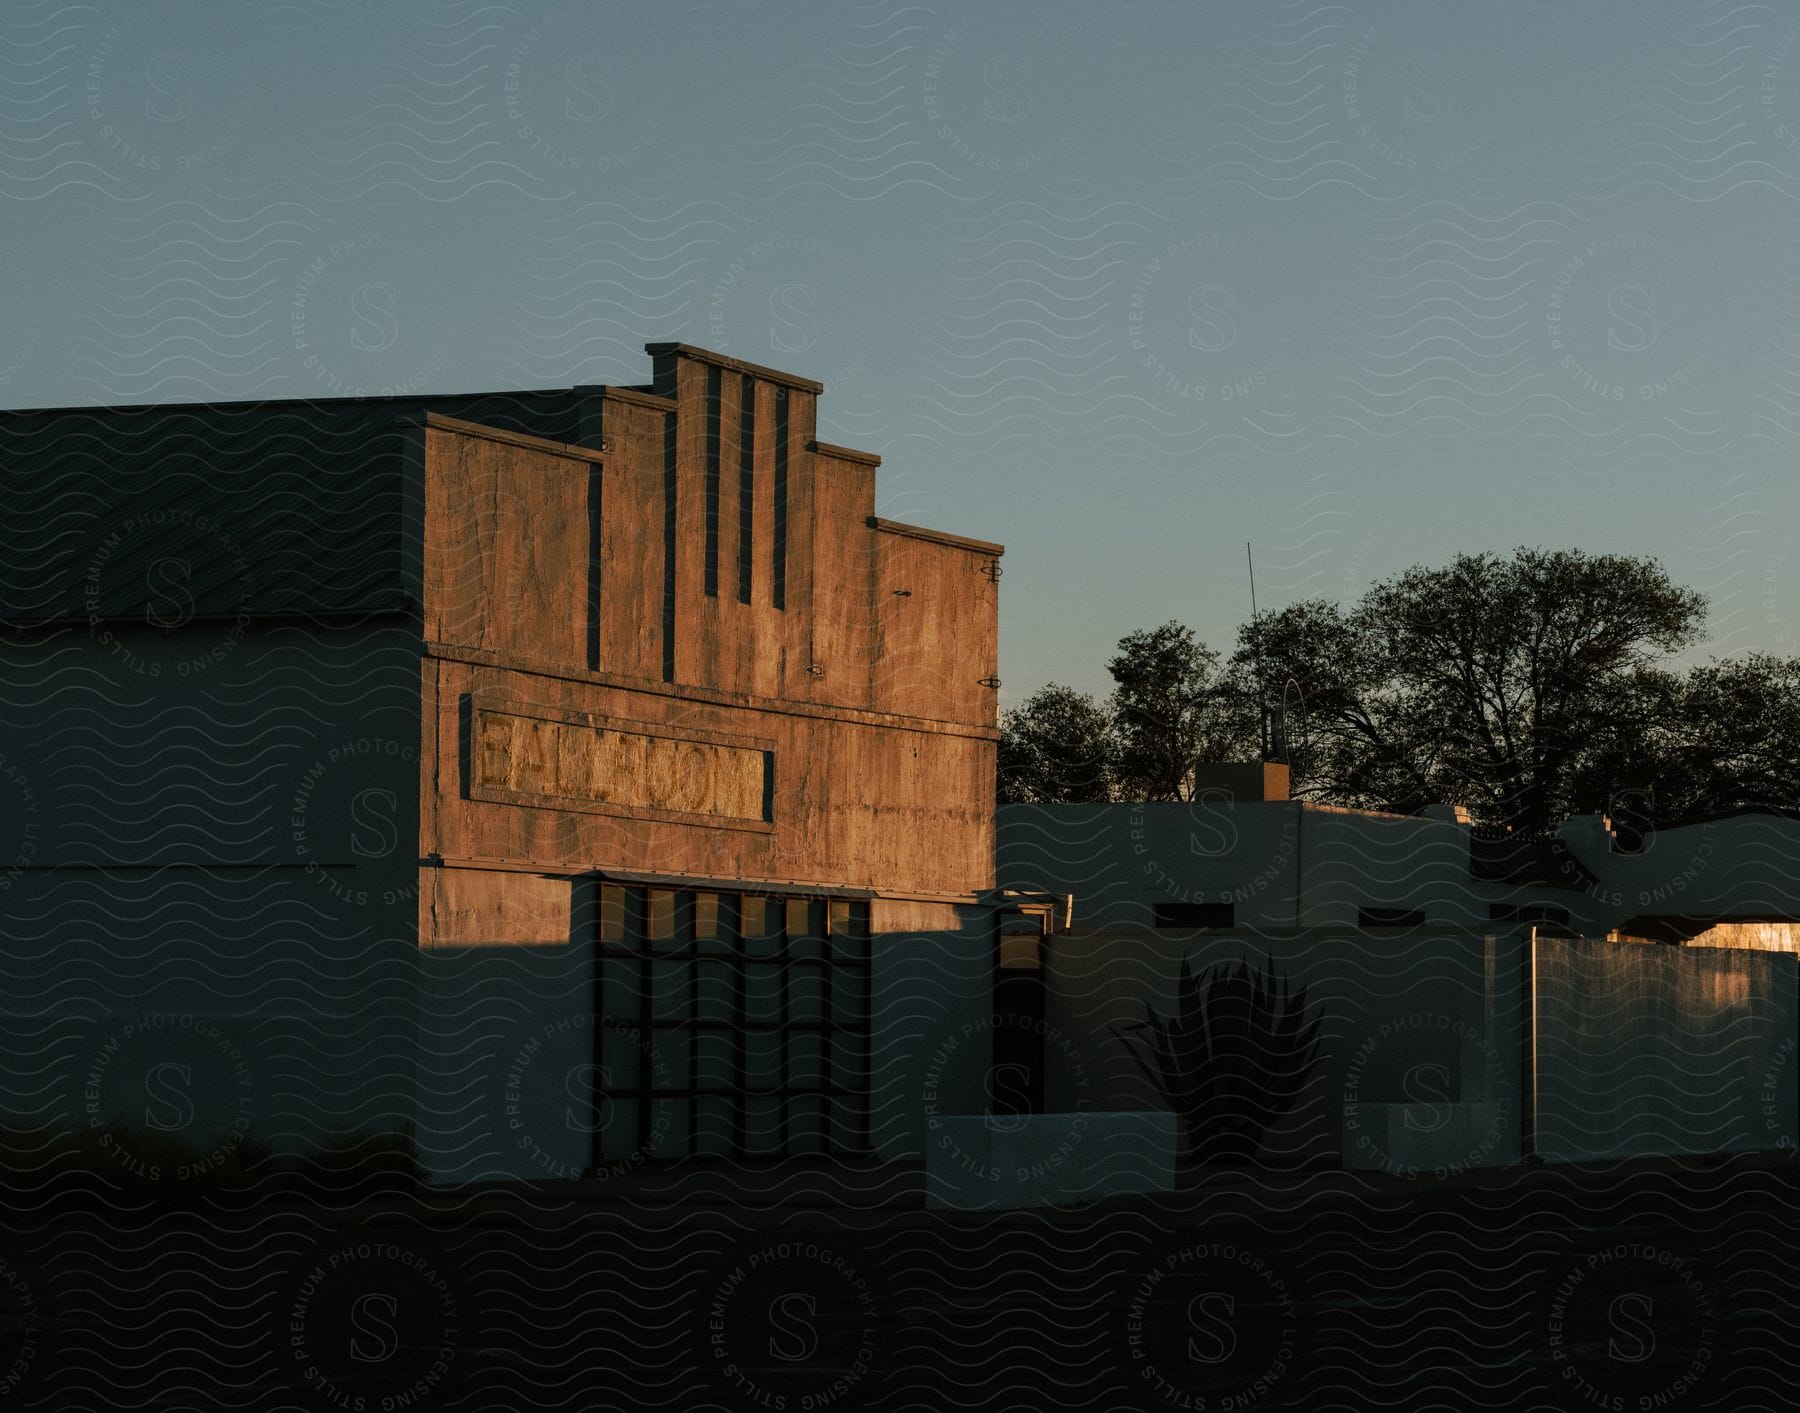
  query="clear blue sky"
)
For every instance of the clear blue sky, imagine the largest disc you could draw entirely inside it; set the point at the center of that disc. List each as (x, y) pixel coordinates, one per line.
(1122, 286)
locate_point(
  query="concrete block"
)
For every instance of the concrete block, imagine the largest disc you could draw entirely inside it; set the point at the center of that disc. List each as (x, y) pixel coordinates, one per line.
(985, 1162)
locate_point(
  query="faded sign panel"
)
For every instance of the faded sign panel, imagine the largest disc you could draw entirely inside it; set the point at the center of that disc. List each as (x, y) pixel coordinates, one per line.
(573, 762)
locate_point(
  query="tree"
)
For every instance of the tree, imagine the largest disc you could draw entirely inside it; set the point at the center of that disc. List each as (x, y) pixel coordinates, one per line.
(1057, 746)
(1725, 737)
(1171, 708)
(1349, 738)
(1740, 734)
(1492, 682)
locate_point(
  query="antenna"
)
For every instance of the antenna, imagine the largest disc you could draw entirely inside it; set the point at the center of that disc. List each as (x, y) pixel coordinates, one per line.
(1262, 705)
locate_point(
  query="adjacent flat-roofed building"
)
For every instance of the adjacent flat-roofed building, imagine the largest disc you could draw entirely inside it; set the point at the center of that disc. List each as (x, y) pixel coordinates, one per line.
(576, 776)
(1244, 855)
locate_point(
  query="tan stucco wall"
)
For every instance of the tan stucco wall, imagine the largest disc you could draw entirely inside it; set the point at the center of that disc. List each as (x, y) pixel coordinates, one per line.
(572, 584)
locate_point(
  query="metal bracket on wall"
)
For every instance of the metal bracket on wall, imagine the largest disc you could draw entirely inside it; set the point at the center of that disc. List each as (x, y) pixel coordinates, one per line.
(991, 568)
(989, 681)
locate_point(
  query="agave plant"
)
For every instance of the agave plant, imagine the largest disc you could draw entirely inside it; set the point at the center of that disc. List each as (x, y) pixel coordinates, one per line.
(1231, 1060)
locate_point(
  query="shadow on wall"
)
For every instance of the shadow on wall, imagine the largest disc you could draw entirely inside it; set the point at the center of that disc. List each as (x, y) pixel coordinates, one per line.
(932, 1035)
(1429, 1020)
(1426, 1053)
(586, 1059)
(1231, 1059)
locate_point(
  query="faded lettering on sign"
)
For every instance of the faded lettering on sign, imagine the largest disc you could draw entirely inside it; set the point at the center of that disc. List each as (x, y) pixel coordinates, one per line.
(563, 760)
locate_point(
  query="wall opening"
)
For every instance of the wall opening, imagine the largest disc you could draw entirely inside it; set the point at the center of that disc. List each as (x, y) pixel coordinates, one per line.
(732, 1025)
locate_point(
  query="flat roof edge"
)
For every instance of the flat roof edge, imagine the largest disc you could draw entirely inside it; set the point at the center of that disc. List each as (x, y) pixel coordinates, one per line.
(938, 537)
(843, 453)
(439, 421)
(373, 399)
(736, 365)
(637, 397)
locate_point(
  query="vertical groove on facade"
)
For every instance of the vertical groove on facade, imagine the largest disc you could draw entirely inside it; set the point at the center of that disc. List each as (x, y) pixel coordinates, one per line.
(778, 577)
(714, 413)
(746, 486)
(593, 568)
(668, 613)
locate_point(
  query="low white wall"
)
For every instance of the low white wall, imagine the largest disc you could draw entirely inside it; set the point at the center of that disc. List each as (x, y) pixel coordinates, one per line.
(1647, 1049)
(1429, 1018)
(1638, 1049)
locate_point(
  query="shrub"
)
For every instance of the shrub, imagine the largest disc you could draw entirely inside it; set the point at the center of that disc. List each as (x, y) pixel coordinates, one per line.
(1231, 1060)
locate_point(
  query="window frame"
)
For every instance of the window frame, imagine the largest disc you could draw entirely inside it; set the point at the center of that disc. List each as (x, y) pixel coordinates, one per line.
(804, 934)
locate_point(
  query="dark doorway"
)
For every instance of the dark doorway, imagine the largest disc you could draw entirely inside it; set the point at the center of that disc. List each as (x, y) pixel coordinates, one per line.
(1016, 1076)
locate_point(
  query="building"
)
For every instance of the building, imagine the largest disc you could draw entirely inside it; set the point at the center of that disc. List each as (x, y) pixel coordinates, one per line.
(576, 778)
(1479, 996)
(1243, 855)
(582, 779)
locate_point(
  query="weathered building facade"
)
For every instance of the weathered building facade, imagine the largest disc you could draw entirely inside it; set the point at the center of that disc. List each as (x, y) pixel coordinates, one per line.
(576, 777)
